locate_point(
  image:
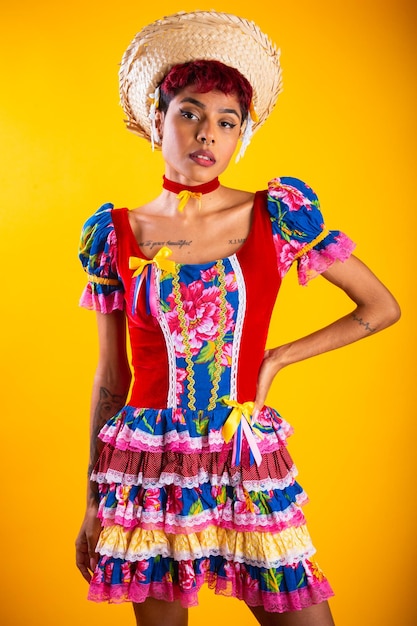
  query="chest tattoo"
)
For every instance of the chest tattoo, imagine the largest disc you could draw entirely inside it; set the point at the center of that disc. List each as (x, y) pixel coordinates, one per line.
(151, 244)
(233, 242)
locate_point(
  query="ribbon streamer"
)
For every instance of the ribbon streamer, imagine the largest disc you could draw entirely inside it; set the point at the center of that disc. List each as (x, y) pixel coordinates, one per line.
(143, 271)
(154, 97)
(252, 119)
(239, 425)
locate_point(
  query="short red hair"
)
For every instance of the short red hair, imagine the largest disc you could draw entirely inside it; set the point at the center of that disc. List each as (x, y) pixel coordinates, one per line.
(205, 76)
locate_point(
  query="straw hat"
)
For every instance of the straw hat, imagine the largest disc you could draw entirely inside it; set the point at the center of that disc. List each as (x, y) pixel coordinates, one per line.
(198, 35)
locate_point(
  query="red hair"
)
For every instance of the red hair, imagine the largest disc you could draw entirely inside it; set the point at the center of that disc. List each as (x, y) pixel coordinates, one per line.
(205, 76)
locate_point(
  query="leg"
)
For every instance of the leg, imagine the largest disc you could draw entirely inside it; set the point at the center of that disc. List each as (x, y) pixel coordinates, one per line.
(158, 612)
(316, 615)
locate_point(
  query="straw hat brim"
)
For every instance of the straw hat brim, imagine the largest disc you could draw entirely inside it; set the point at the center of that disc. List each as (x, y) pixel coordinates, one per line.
(198, 35)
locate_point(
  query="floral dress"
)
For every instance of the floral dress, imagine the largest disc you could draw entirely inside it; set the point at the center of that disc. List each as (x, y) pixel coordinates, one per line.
(193, 487)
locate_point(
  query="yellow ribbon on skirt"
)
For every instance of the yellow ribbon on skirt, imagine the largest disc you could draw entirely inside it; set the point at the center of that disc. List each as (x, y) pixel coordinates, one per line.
(239, 423)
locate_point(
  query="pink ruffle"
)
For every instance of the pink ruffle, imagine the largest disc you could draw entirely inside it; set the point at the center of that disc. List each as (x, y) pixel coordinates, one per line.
(315, 262)
(130, 516)
(123, 437)
(100, 302)
(279, 602)
(182, 442)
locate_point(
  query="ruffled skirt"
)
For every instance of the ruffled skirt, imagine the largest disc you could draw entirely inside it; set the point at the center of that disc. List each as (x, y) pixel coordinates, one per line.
(176, 513)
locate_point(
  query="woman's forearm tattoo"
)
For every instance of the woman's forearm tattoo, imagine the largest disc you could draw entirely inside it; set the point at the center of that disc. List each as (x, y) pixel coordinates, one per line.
(361, 322)
(107, 405)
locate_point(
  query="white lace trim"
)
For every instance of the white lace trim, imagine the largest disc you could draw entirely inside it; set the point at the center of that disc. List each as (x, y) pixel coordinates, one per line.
(191, 482)
(269, 484)
(237, 338)
(292, 556)
(172, 364)
(214, 441)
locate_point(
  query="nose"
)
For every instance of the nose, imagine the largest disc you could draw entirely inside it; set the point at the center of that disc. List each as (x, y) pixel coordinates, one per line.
(205, 134)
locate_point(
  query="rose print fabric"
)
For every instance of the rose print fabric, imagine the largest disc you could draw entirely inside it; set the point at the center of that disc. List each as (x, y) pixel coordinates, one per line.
(193, 491)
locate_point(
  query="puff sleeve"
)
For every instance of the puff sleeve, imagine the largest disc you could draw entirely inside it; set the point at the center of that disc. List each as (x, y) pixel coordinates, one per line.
(98, 256)
(299, 232)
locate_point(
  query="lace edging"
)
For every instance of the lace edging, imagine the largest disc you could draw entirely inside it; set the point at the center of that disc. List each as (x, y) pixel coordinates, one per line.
(192, 482)
(101, 302)
(238, 587)
(317, 261)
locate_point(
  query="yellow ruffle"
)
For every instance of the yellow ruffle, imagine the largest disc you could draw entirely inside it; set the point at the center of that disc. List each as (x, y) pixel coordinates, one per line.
(262, 547)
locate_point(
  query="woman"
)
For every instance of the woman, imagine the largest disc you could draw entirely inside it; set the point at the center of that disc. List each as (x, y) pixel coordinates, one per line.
(191, 481)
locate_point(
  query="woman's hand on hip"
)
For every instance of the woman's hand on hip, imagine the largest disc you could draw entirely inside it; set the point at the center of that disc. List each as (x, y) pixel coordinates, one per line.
(269, 368)
(86, 557)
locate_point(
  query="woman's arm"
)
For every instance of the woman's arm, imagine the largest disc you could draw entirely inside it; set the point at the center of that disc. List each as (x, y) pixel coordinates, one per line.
(110, 388)
(376, 308)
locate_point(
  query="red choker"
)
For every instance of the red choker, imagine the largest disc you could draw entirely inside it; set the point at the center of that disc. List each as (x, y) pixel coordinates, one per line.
(170, 185)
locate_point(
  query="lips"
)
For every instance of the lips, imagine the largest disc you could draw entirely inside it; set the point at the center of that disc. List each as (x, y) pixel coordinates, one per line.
(203, 157)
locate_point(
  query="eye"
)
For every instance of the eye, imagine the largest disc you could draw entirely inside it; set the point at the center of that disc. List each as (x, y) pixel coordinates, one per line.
(188, 115)
(226, 124)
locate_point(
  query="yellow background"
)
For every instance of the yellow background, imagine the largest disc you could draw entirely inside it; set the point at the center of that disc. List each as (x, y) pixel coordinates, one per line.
(345, 123)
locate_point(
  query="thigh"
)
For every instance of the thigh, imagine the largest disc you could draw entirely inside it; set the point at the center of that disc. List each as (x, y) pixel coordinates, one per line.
(316, 615)
(156, 612)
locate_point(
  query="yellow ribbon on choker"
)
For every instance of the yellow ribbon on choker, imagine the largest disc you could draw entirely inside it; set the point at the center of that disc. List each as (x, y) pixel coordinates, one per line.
(160, 260)
(185, 195)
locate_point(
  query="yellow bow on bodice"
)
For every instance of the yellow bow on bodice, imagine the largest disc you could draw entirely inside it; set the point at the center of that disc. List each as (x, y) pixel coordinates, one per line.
(160, 260)
(144, 272)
